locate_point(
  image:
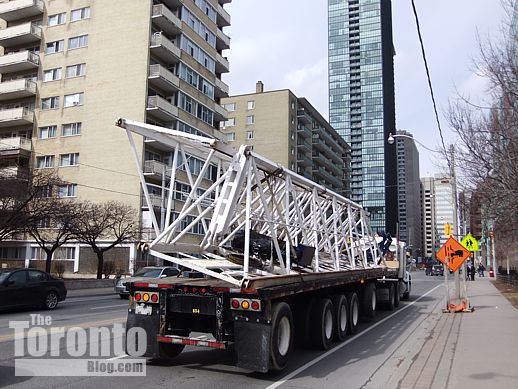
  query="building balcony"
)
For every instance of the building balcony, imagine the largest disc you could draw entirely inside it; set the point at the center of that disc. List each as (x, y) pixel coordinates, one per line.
(224, 1)
(222, 40)
(304, 132)
(303, 159)
(17, 89)
(20, 9)
(164, 49)
(156, 201)
(16, 117)
(304, 117)
(221, 89)
(162, 17)
(163, 79)
(173, 4)
(156, 170)
(161, 109)
(19, 62)
(15, 146)
(222, 65)
(304, 146)
(14, 172)
(223, 19)
(220, 113)
(22, 34)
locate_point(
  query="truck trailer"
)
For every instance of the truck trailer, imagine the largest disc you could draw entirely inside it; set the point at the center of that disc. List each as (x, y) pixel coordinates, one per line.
(281, 260)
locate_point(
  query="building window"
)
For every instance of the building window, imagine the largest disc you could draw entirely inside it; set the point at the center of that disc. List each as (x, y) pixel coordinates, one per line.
(43, 192)
(50, 103)
(80, 14)
(76, 70)
(54, 47)
(69, 190)
(231, 136)
(231, 122)
(74, 99)
(52, 75)
(71, 129)
(71, 159)
(57, 19)
(250, 104)
(78, 42)
(230, 107)
(250, 119)
(45, 161)
(47, 132)
(249, 135)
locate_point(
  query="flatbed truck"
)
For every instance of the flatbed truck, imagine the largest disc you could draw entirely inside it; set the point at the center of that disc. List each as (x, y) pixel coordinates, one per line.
(283, 261)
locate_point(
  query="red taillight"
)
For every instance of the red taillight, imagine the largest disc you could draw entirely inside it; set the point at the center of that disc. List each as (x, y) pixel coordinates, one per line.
(154, 298)
(185, 290)
(194, 290)
(235, 304)
(203, 290)
(255, 305)
(137, 296)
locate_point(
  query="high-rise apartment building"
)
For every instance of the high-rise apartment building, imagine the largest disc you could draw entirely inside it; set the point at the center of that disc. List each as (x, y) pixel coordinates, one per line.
(444, 201)
(409, 191)
(69, 68)
(287, 129)
(361, 101)
(428, 229)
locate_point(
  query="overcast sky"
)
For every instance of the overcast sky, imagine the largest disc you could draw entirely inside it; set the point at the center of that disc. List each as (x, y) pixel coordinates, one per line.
(284, 44)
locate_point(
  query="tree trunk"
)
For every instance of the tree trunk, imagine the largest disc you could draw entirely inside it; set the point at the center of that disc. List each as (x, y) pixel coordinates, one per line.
(48, 261)
(100, 263)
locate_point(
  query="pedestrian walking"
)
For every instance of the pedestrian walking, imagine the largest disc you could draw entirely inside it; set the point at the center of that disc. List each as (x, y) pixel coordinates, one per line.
(481, 270)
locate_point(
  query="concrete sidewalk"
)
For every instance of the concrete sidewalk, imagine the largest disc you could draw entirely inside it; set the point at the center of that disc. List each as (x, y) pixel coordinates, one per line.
(468, 350)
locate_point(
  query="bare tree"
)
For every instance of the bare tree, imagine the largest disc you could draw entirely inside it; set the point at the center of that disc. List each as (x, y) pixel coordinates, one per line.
(54, 227)
(487, 151)
(102, 226)
(17, 195)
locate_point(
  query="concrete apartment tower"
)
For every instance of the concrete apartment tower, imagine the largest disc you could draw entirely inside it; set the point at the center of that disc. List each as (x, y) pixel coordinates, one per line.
(287, 129)
(429, 230)
(409, 191)
(69, 68)
(361, 101)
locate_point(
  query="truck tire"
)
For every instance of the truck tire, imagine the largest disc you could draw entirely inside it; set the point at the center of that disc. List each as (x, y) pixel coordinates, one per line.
(397, 295)
(323, 323)
(389, 305)
(281, 339)
(369, 301)
(167, 351)
(341, 316)
(406, 294)
(354, 312)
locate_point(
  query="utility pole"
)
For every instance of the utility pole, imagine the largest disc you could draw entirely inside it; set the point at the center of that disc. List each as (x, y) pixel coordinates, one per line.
(456, 231)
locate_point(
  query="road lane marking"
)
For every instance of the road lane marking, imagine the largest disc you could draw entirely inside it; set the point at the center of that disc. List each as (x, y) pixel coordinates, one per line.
(339, 347)
(122, 319)
(118, 357)
(111, 306)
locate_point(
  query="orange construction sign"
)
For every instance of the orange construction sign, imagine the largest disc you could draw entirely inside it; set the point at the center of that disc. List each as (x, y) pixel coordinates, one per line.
(455, 252)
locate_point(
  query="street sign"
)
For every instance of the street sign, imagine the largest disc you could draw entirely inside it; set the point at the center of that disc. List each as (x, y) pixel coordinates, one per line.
(455, 252)
(470, 243)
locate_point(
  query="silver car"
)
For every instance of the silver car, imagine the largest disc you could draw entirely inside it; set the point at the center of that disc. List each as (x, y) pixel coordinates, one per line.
(145, 272)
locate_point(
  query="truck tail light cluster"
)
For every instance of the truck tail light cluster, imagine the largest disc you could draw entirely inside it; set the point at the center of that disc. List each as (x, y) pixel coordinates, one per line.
(245, 304)
(146, 297)
(194, 290)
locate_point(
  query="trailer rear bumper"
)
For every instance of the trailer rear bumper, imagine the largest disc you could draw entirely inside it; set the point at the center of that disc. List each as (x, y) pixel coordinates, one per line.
(200, 341)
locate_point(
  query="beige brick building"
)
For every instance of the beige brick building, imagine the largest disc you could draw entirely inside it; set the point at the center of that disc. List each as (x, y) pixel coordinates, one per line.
(70, 67)
(289, 130)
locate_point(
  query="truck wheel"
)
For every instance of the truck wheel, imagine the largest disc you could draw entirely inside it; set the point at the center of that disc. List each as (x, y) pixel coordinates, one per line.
(281, 339)
(369, 301)
(390, 303)
(397, 296)
(341, 316)
(406, 294)
(168, 351)
(322, 326)
(354, 312)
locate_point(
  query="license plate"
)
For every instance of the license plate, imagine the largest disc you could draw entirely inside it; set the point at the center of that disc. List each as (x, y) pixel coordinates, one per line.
(143, 309)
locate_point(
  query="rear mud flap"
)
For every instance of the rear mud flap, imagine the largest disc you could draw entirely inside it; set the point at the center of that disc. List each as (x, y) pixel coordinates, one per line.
(150, 324)
(252, 346)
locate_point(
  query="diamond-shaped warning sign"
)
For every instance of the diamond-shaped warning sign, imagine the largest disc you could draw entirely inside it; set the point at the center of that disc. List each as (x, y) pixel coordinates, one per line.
(455, 252)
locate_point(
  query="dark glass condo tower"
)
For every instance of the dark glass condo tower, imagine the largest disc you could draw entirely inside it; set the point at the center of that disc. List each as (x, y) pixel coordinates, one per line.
(361, 101)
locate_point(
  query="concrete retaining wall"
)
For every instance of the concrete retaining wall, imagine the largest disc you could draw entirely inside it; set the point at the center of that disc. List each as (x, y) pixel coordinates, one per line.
(90, 284)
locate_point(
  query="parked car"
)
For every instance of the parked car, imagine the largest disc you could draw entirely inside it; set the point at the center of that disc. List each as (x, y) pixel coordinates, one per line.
(30, 288)
(437, 270)
(145, 272)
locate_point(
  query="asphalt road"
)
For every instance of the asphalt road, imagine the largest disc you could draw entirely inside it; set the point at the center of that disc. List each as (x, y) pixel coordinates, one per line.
(373, 358)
